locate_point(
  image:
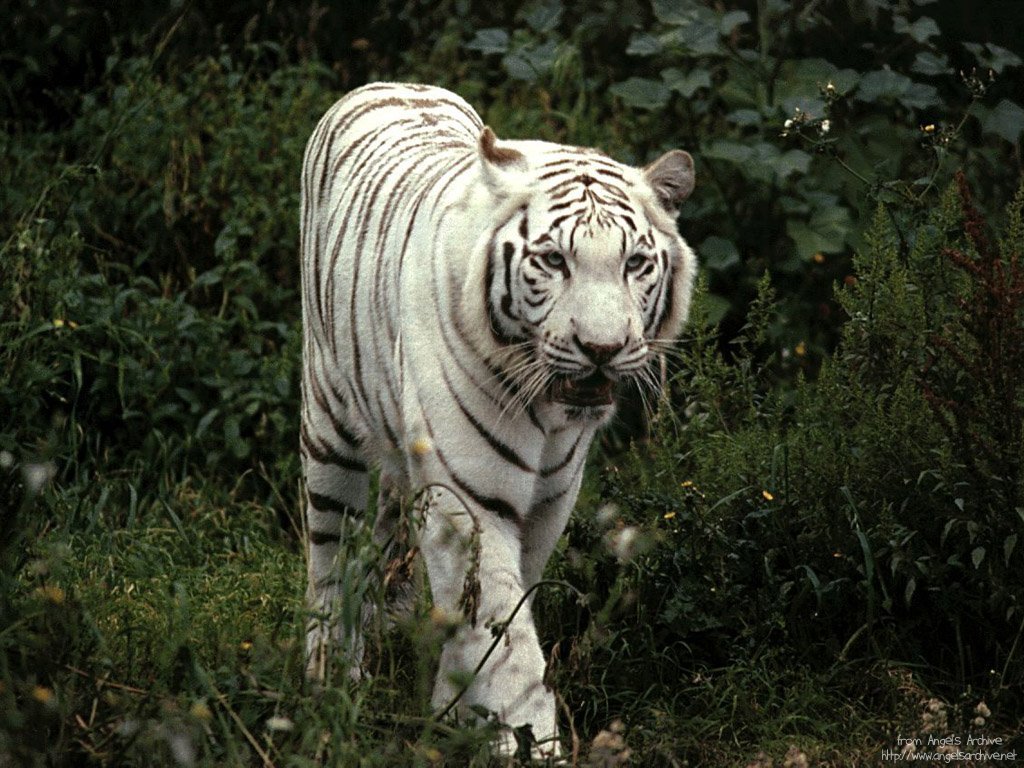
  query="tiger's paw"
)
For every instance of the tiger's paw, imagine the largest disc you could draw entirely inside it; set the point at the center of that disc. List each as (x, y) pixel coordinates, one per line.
(521, 744)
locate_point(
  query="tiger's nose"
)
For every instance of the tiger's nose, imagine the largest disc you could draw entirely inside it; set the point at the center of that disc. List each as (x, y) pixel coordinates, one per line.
(598, 354)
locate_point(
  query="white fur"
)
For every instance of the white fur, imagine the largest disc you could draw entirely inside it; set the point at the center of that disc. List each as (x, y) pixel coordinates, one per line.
(404, 173)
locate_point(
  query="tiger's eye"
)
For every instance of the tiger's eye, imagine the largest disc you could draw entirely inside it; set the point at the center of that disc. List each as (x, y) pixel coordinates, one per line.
(554, 259)
(635, 261)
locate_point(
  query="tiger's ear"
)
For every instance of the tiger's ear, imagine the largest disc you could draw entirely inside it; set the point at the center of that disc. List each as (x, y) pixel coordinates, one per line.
(495, 155)
(672, 179)
(499, 164)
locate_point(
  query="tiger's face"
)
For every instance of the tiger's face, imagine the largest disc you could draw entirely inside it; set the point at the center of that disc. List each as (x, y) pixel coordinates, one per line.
(588, 277)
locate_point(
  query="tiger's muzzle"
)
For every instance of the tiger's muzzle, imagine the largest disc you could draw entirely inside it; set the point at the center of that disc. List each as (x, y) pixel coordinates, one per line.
(589, 391)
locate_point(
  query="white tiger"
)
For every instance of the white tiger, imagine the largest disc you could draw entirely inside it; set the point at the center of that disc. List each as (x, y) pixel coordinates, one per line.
(469, 306)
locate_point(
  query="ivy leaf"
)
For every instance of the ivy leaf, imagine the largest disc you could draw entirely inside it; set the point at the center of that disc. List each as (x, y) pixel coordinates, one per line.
(928, 63)
(642, 93)
(993, 57)
(489, 41)
(920, 96)
(977, 556)
(732, 20)
(699, 37)
(529, 63)
(744, 117)
(643, 44)
(882, 84)
(677, 12)
(686, 83)
(716, 308)
(1006, 120)
(543, 16)
(730, 151)
(921, 30)
(718, 254)
(825, 232)
(788, 163)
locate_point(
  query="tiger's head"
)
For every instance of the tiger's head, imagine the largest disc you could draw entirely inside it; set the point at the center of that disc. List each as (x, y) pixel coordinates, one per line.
(586, 277)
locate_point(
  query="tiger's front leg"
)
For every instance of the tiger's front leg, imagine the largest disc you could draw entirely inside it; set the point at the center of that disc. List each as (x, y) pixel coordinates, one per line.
(474, 565)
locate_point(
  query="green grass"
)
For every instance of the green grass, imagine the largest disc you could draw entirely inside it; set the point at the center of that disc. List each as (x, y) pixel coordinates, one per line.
(174, 637)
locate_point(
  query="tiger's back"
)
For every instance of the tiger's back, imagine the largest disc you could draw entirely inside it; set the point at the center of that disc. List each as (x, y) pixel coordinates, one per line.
(375, 174)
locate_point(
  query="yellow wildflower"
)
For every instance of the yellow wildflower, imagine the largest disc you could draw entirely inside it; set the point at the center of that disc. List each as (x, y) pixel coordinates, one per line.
(42, 694)
(51, 594)
(768, 496)
(669, 515)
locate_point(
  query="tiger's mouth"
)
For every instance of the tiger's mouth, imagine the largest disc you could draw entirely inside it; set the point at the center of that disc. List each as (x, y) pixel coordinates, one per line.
(588, 391)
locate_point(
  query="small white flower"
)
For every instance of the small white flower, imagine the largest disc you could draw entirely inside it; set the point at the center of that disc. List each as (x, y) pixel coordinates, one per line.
(622, 543)
(788, 124)
(606, 515)
(278, 723)
(182, 748)
(826, 126)
(38, 475)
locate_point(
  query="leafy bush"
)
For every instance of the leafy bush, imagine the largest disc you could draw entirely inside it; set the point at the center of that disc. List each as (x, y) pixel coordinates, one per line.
(723, 82)
(830, 493)
(874, 511)
(152, 311)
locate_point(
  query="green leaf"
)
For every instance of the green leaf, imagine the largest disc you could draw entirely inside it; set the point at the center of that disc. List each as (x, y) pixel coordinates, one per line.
(643, 44)
(489, 41)
(642, 93)
(675, 11)
(921, 30)
(1006, 120)
(788, 163)
(908, 593)
(731, 20)
(1008, 546)
(921, 96)
(686, 83)
(928, 63)
(993, 57)
(718, 254)
(716, 308)
(744, 117)
(543, 16)
(825, 232)
(699, 38)
(730, 151)
(529, 63)
(977, 556)
(882, 84)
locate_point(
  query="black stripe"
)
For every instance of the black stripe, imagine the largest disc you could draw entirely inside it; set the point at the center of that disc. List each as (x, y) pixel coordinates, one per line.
(322, 503)
(327, 454)
(506, 301)
(500, 507)
(319, 538)
(549, 471)
(499, 447)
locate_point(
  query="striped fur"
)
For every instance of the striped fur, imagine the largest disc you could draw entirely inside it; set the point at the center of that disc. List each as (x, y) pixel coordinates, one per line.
(468, 304)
